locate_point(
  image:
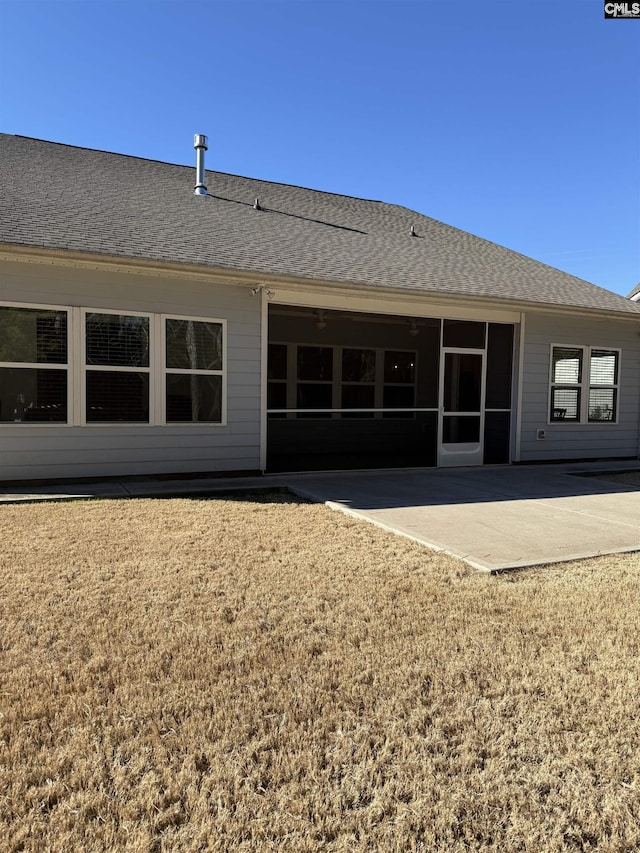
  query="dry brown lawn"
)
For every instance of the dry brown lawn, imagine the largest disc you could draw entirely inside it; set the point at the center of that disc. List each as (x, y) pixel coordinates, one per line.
(262, 675)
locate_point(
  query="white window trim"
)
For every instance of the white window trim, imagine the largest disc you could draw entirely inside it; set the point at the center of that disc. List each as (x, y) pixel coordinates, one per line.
(108, 368)
(76, 368)
(164, 370)
(68, 366)
(583, 386)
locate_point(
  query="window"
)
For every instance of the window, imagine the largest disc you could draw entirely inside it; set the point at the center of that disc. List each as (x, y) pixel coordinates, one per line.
(584, 385)
(132, 368)
(566, 379)
(117, 369)
(194, 362)
(33, 365)
(603, 385)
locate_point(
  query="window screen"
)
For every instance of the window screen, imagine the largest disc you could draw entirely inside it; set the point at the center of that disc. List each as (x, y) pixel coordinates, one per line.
(194, 398)
(194, 355)
(32, 395)
(117, 340)
(603, 368)
(603, 381)
(567, 366)
(117, 368)
(117, 396)
(194, 345)
(36, 391)
(33, 336)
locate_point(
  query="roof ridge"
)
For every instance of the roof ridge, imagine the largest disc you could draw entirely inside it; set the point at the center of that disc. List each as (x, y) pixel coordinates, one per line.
(184, 166)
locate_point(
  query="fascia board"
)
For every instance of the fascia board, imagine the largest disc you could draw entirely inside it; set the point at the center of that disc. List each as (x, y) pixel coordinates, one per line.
(294, 288)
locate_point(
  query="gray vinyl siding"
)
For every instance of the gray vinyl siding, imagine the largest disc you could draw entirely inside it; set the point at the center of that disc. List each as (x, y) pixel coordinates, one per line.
(578, 441)
(51, 451)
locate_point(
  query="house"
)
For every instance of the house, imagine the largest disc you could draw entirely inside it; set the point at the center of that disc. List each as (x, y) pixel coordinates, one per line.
(253, 326)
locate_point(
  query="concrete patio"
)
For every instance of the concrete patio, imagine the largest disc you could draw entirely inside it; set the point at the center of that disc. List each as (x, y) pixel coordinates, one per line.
(494, 518)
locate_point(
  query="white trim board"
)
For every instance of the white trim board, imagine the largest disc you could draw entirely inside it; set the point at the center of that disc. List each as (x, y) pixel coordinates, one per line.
(399, 305)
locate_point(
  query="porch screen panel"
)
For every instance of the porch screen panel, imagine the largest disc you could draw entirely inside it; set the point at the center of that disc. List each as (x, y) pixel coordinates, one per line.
(350, 443)
(277, 378)
(315, 380)
(463, 334)
(399, 383)
(499, 364)
(497, 429)
(458, 429)
(428, 345)
(463, 382)
(358, 381)
(351, 390)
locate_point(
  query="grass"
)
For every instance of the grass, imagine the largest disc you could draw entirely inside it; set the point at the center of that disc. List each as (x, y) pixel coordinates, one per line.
(262, 675)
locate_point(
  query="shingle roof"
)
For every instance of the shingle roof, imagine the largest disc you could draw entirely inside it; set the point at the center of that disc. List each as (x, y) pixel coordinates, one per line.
(61, 197)
(635, 291)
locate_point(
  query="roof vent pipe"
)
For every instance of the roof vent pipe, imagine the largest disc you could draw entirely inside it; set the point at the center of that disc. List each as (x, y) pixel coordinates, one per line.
(200, 144)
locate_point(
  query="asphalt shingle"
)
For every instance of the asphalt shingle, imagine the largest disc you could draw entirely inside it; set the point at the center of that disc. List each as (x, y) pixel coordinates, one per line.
(61, 197)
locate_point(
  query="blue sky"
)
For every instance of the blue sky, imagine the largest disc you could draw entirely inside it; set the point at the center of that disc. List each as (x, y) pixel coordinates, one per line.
(517, 121)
